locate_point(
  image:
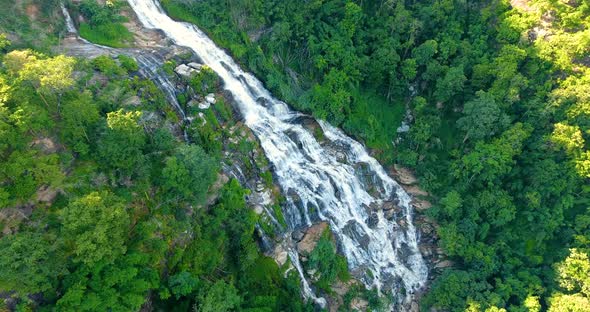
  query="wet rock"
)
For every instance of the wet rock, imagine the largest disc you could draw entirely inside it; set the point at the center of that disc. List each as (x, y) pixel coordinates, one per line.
(389, 214)
(415, 191)
(281, 258)
(373, 206)
(354, 230)
(392, 206)
(184, 71)
(258, 209)
(297, 235)
(359, 304)
(427, 229)
(426, 250)
(192, 103)
(444, 264)
(311, 238)
(403, 128)
(314, 274)
(373, 220)
(421, 204)
(404, 252)
(403, 223)
(263, 101)
(404, 176)
(414, 307)
(313, 210)
(210, 98)
(340, 157)
(195, 66)
(204, 105)
(259, 186)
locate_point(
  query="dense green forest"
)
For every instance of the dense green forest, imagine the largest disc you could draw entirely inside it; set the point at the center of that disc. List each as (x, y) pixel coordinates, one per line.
(499, 98)
(104, 206)
(496, 93)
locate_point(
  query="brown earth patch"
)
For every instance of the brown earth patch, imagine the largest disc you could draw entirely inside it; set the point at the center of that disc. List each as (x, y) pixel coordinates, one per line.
(32, 11)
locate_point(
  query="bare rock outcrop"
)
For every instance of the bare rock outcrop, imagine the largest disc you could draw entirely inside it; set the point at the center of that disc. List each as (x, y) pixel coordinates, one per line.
(311, 238)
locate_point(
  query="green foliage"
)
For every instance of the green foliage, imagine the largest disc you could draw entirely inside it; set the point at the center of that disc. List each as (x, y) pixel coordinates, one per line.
(574, 277)
(499, 137)
(39, 30)
(30, 264)
(328, 264)
(104, 24)
(23, 172)
(206, 81)
(80, 117)
(108, 66)
(120, 286)
(219, 297)
(97, 224)
(48, 75)
(330, 99)
(188, 174)
(128, 63)
(500, 117)
(122, 142)
(100, 236)
(182, 284)
(482, 118)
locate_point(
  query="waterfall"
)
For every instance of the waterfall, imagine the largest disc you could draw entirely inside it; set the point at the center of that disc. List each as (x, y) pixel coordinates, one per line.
(318, 183)
(69, 22)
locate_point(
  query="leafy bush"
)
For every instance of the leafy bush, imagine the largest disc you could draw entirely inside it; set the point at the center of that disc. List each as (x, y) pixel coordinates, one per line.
(327, 262)
(128, 63)
(108, 66)
(104, 24)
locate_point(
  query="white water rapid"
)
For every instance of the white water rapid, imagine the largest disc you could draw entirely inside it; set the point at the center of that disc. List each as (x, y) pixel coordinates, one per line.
(318, 182)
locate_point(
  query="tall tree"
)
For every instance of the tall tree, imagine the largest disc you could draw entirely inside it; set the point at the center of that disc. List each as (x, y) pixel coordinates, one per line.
(121, 144)
(30, 264)
(97, 225)
(188, 174)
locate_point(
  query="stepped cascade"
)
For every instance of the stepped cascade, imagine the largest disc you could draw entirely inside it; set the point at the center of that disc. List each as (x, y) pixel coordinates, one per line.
(334, 181)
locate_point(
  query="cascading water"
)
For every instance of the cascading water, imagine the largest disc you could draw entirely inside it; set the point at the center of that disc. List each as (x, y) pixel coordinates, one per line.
(68, 19)
(318, 183)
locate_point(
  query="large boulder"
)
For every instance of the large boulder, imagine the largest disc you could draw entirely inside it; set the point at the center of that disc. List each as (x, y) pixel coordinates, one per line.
(414, 190)
(184, 71)
(195, 66)
(421, 204)
(210, 98)
(204, 105)
(404, 176)
(444, 264)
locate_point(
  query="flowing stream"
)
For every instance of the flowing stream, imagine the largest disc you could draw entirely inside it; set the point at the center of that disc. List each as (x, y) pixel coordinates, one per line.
(335, 181)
